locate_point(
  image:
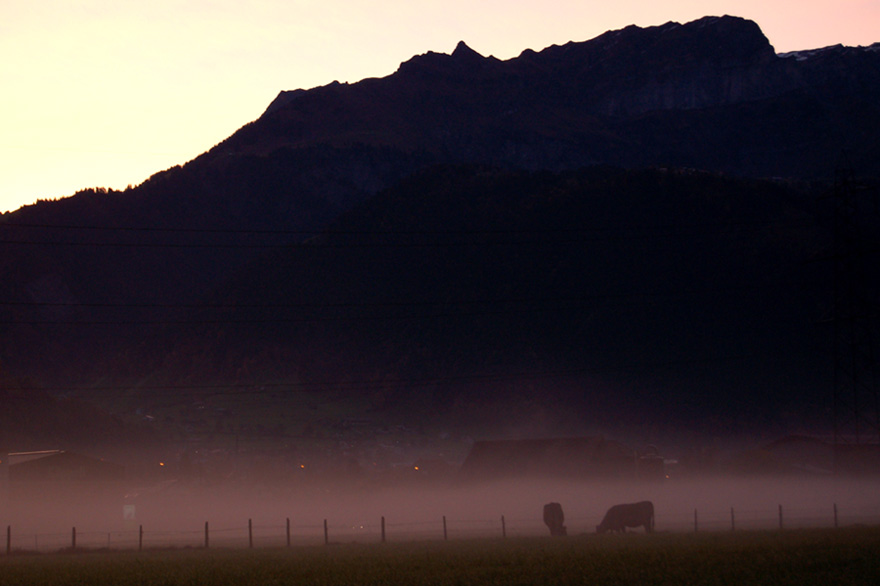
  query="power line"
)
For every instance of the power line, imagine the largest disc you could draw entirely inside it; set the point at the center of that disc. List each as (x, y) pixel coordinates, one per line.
(153, 229)
(361, 304)
(262, 388)
(500, 306)
(538, 235)
(331, 231)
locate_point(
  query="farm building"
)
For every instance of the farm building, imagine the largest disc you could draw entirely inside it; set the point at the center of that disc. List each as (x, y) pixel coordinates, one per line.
(572, 458)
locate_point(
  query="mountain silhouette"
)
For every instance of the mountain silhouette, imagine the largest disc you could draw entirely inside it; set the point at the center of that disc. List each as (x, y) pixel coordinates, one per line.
(601, 230)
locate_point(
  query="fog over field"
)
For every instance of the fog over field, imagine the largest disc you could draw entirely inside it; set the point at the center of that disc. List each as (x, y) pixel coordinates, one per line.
(521, 503)
(176, 515)
(640, 267)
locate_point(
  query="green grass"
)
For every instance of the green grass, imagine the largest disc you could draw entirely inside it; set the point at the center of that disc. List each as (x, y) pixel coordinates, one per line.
(827, 556)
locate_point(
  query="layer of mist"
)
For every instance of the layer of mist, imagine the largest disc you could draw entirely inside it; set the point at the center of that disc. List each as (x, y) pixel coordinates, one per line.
(417, 510)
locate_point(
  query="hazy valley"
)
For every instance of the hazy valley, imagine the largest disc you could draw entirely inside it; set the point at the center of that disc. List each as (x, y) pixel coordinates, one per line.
(631, 237)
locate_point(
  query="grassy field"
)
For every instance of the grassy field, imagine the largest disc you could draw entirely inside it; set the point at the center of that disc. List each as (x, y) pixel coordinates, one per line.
(824, 556)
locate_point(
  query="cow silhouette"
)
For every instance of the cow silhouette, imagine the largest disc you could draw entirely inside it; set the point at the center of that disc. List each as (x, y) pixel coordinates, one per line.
(619, 517)
(554, 519)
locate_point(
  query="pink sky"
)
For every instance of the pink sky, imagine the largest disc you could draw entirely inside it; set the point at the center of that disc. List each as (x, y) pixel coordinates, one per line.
(106, 93)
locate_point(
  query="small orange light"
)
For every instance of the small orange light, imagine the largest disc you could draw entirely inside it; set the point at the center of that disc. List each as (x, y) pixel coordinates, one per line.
(161, 463)
(415, 467)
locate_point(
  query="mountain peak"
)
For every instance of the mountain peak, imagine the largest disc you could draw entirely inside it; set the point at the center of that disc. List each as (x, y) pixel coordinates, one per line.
(716, 38)
(463, 52)
(713, 62)
(463, 61)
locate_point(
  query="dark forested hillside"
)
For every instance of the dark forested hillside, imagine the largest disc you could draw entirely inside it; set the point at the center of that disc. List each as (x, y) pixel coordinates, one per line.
(625, 226)
(614, 293)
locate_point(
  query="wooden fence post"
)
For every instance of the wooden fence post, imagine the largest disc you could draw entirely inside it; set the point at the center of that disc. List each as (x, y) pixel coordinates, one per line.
(73, 544)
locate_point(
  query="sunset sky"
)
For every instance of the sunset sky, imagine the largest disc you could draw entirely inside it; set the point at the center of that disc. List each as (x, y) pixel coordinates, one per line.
(106, 92)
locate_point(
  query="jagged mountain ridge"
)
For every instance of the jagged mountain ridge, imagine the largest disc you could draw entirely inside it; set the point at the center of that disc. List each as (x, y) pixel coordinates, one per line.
(711, 95)
(595, 102)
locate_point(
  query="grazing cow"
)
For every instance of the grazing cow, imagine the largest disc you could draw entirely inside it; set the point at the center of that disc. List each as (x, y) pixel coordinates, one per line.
(554, 519)
(619, 517)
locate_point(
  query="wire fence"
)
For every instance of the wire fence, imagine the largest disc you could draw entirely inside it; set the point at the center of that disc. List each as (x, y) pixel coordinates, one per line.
(287, 534)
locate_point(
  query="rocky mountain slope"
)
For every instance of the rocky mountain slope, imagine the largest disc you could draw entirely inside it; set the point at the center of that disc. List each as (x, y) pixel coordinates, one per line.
(211, 271)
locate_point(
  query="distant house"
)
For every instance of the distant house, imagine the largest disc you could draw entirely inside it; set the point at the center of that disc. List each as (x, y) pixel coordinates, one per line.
(572, 458)
(64, 487)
